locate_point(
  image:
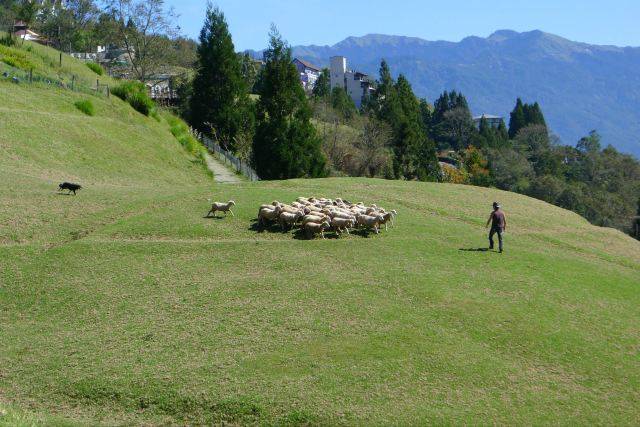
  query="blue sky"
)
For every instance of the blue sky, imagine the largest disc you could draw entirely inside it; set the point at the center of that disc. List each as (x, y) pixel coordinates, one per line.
(330, 21)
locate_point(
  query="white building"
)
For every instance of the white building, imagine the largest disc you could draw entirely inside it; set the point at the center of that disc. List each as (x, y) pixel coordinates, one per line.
(492, 121)
(309, 73)
(358, 85)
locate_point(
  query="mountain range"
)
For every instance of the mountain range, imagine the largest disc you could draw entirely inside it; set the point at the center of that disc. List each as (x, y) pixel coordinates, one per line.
(580, 87)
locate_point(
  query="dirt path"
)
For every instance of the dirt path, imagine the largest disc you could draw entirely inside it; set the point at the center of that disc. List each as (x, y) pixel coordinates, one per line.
(220, 172)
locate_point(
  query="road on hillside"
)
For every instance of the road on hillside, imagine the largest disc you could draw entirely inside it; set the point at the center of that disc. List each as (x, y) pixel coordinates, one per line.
(221, 173)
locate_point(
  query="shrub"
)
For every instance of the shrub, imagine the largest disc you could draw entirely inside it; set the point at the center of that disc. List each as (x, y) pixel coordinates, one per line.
(136, 95)
(7, 39)
(14, 58)
(96, 68)
(141, 103)
(86, 107)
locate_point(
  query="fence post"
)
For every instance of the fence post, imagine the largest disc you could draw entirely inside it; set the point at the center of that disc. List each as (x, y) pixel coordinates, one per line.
(31, 75)
(61, 59)
(97, 86)
(73, 82)
(108, 92)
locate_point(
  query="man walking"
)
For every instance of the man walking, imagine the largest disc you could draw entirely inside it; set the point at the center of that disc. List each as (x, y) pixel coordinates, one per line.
(498, 225)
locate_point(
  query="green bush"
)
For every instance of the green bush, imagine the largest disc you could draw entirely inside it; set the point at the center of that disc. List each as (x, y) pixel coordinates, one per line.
(7, 39)
(86, 107)
(141, 103)
(127, 88)
(135, 93)
(15, 58)
(96, 68)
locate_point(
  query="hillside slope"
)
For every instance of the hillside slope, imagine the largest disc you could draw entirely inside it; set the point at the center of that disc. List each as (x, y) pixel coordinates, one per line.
(123, 305)
(580, 86)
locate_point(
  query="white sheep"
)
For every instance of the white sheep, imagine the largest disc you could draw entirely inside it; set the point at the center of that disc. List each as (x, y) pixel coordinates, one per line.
(222, 207)
(387, 217)
(313, 228)
(370, 222)
(341, 224)
(318, 219)
(289, 219)
(268, 214)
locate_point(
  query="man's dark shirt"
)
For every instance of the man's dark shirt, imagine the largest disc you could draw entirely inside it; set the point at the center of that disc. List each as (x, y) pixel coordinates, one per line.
(497, 219)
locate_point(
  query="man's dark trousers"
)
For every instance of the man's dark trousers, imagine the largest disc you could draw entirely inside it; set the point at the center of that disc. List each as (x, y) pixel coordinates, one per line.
(493, 231)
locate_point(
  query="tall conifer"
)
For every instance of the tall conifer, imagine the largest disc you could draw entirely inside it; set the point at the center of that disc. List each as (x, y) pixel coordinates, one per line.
(286, 144)
(219, 100)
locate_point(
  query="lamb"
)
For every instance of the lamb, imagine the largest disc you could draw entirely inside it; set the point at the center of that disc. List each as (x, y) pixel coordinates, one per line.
(314, 208)
(370, 221)
(313, 228)
(289, 209)
(289, 219)
(268, 214)
(388, 217)
(313, 218)
(222, 207)
(341, 224)
(343, 215)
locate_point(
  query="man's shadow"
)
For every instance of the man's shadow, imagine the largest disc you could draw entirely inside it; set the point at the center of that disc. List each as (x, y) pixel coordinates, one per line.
(475, 249)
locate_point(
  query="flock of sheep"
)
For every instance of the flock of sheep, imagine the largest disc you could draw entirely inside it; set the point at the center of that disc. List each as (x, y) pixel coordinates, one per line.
(316, 215)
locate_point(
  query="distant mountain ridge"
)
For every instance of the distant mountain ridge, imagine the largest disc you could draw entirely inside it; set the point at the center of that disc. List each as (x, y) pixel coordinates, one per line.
(579, 86)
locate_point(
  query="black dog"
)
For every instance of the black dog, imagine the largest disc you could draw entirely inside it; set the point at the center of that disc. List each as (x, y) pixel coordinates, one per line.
(69, 186)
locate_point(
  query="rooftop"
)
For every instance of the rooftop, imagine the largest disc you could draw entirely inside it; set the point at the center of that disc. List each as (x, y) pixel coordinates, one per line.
(308, 64)
(487, 116)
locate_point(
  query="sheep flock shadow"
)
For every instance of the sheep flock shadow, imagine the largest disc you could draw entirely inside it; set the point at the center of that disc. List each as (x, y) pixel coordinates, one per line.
(298, 233)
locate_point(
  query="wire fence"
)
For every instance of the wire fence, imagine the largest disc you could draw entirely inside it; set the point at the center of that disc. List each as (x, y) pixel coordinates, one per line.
(73, 84)
(230, 159)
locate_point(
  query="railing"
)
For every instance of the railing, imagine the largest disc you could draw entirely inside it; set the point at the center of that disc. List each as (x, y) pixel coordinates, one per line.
(232, 160)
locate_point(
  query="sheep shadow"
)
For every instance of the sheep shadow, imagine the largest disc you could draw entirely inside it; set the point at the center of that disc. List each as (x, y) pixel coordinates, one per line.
(362, 232)
(475, 249)
(271, 227)
(296, 232)
(214, 217)
(299, 234)
(64, 194)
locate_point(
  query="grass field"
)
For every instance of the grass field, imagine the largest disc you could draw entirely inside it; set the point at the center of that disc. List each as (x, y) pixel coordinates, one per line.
(123, 305)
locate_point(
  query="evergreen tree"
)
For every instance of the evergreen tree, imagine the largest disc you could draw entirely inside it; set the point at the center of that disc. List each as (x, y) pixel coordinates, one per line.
(414, 152)
(322, 88)
(517, 119)
(286, 144)
(502, 134)
(486, 133)
(426, 113)
(533, 115)
(219, 101)
(524, 115)
(343, 103)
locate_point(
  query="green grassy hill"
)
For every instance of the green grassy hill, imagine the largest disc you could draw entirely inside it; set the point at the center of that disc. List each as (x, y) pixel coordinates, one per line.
(123, 305)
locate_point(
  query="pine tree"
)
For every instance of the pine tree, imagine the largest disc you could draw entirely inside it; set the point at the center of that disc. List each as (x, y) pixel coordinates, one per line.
(322, 88)
(517, 119)
(286, 144)
(534, 115)
(502, 135)
(414, 152)
(487, 134)
(441, 106)
(343, 103)
(219, 100)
